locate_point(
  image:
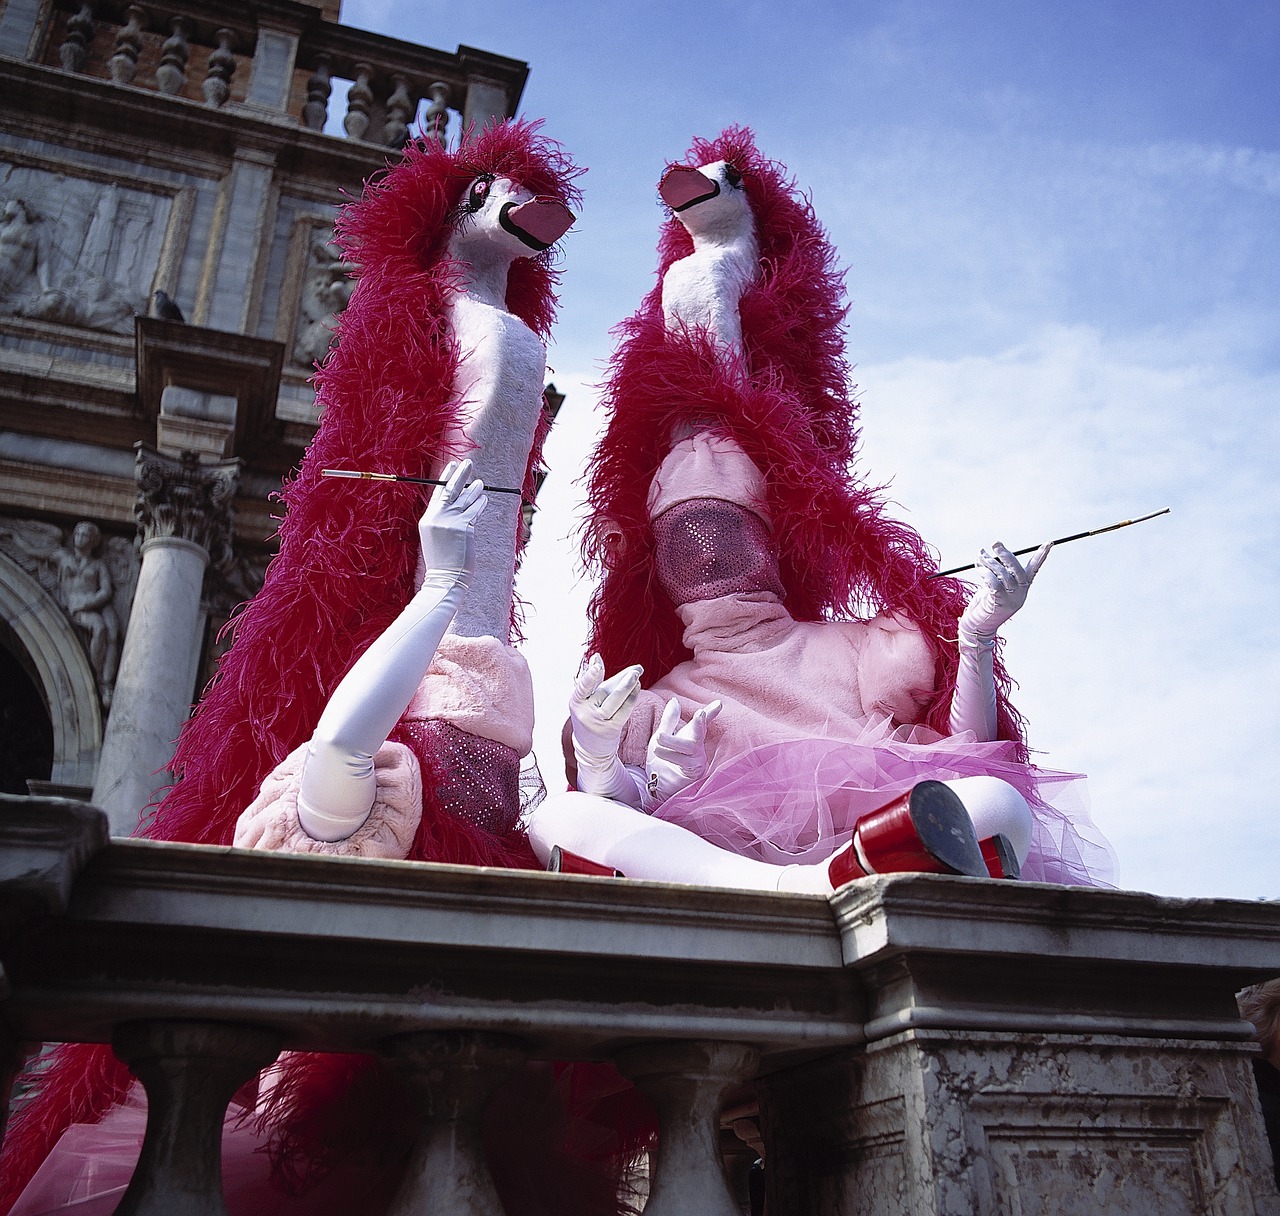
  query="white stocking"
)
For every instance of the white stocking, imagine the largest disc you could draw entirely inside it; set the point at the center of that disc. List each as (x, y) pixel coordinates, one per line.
(641, 846)
(997, 809)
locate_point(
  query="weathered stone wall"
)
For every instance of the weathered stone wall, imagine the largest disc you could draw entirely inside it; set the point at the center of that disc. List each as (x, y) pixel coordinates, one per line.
(959, 1124)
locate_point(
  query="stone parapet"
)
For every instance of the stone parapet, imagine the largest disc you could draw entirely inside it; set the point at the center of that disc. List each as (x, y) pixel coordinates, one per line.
(917, 1044)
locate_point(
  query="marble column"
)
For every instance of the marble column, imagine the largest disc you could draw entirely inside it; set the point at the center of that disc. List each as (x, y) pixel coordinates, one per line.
(184, 519)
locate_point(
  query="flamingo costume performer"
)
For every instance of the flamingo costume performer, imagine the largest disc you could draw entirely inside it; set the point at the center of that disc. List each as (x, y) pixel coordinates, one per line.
(806, 707)
(414, 751)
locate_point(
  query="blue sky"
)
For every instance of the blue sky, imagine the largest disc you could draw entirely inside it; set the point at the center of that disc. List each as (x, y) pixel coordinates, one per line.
(1060, 228)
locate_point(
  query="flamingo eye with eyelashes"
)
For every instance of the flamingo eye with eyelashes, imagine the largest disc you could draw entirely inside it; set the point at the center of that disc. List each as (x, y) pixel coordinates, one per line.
(732, 176)
(478, 193)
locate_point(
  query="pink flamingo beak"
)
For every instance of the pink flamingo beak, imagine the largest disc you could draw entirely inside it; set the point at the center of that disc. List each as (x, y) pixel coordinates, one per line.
(539, 223)
(682, 187)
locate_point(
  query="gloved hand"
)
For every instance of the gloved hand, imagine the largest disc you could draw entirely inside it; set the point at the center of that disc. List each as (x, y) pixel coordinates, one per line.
(974, 704)
(598, 712)
(677, 754)
(1006, 583)
(447, 527)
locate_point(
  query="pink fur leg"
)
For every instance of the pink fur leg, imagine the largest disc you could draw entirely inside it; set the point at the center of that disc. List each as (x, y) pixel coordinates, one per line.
(271, 820)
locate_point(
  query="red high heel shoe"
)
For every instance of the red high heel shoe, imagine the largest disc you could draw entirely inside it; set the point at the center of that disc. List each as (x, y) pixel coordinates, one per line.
(562, 861)
(1002, 861)
(925, 831)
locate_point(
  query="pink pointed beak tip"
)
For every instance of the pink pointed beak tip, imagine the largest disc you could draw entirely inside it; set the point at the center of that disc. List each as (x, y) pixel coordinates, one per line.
(543, 219)
(682, 186)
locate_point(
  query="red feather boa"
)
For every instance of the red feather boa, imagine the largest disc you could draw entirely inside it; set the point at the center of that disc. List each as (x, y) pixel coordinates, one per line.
(345, 568)
(348, 550)
(792, 410)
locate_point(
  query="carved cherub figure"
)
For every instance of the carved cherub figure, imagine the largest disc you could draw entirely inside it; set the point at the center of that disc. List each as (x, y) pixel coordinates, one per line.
(92, 578)
(24, 270)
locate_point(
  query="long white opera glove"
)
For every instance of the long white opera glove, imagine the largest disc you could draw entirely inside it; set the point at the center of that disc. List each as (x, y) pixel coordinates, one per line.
(1003, 591)
(338, 785)
(598, 712)
(677, 754)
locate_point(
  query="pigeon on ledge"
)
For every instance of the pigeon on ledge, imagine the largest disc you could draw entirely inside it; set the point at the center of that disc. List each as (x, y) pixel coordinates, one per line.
(162, 306)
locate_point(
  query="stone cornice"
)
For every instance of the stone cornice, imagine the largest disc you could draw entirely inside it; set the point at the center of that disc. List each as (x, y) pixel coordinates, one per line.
(891, 914)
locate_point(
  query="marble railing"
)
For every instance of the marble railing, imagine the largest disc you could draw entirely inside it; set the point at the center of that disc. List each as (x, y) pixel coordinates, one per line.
(277, 58)
(916, 1044)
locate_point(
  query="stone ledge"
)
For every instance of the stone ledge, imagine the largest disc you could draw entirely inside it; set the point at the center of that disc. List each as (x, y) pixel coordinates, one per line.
(899, 912)
(338, 953)
(46, 843)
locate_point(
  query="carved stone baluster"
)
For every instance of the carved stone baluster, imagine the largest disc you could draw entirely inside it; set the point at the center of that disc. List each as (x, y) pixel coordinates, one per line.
(75, 49)
(171, 75)
(123, 65)
(222, 65)
(189, 1070)
(316, 111)
(435, 122)
(359, 103)
(687, 1083)
(452, 1073)
(395, 131)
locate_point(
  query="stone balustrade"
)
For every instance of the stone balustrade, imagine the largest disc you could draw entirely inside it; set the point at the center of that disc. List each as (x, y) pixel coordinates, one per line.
(916, 1044)
(278, 58)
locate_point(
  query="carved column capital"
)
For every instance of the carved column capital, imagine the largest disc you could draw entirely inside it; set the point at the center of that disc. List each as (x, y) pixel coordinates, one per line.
(183, 498)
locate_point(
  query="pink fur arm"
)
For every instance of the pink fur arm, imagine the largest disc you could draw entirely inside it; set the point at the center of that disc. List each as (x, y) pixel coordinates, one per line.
(271, 820)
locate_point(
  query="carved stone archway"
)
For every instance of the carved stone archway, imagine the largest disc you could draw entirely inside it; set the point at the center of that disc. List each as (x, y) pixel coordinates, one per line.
(66, 679)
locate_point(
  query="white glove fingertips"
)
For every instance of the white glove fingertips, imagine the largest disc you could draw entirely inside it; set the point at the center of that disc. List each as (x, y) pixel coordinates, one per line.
(588, 678)
(467, 495)
(1019, 574)
(998, 562)
(618, 691)
(1037, 560)
(475, 508)
(669, 723)
(704, 717)
(456, 476)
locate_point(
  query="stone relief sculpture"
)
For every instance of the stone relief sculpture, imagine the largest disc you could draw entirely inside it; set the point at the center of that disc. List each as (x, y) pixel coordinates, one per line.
(92, 577)
(76, 252)
(24, 269)
(325, 292)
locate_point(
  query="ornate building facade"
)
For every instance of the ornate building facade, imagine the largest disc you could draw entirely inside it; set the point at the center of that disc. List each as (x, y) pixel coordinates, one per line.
(169, 178)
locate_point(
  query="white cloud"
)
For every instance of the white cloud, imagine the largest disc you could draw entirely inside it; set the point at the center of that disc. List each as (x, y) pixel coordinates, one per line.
(1242, 168)
(1146, 657)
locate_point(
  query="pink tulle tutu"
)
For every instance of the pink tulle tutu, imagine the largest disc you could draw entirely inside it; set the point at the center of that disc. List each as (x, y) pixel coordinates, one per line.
(798, 800)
